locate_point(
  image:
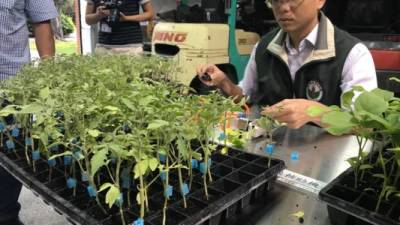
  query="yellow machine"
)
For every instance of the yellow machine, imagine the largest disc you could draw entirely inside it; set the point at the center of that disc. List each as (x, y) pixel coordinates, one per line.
(194, 44)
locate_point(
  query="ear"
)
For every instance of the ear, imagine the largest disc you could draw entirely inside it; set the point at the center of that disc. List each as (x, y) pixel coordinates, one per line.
(320, 4)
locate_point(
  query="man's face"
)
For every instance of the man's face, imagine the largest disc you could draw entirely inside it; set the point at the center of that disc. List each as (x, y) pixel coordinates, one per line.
(295, 15)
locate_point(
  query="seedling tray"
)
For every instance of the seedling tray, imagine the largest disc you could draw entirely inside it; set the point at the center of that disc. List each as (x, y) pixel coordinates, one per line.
(350, 206)
(238, 180)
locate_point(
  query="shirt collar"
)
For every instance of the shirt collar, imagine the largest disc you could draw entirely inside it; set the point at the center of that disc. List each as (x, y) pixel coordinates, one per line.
(310, 39)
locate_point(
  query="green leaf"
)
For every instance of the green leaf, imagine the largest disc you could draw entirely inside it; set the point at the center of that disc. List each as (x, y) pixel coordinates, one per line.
(347, 99)
(44, 138)
(156, 124)
(376, 118)
(138, 198)
(112, 108)
(352, 161)
(315, 111)
(98, 160)
(10, 109)
(386, 95)
(105, 186)
(338, 122)
(128, 104)
(140, 168)
(153, 163)
(197, 155)
(366, 166)
(395, 79)
(371, 103)
(44, 93)
(389, 191)
(31, 109)
(93, 133)
(112, 195)
(60, 155)
(379, 175)
(146, 100)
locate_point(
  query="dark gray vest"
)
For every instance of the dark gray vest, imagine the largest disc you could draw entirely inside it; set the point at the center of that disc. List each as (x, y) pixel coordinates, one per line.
(319, 78)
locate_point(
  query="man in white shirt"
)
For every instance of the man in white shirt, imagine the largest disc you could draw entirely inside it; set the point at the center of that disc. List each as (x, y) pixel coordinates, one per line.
(307, 62)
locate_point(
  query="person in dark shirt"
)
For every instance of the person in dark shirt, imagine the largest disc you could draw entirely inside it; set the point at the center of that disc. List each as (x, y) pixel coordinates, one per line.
(119, 24)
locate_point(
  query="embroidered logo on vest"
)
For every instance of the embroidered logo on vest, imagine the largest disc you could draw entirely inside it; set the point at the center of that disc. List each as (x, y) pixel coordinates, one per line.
(314, 90)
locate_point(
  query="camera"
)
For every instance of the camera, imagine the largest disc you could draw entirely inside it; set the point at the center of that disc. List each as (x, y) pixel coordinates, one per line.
(114, 7)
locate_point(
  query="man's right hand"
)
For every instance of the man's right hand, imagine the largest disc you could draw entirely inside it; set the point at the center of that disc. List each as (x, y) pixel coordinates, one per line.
(211, 75)
(101, 12)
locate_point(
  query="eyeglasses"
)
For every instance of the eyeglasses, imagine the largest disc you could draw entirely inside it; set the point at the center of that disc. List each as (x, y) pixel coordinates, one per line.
(292, 3)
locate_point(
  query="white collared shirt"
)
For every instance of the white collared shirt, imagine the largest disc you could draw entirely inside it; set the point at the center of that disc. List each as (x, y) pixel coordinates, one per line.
(358, 69)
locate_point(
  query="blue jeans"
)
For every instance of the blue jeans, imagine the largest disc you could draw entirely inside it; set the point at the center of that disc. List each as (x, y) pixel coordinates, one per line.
(10, 188)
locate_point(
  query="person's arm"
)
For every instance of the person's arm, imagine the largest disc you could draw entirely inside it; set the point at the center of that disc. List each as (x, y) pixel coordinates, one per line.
(246, 87)
(93, 15)
(218, 79)
(359, 69)
(148, 14)
(44, 39)
(294, 113)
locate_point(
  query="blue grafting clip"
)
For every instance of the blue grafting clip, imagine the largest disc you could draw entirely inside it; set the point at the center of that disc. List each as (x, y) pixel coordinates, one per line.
(126, 183)
(71, 183)
(269, 149)
(139, 221)
(120, 200)
(52, 162)
(203, 168)
(15, 132)
(185, 189)
(195, 164)
(162, 158)
(84, 176)
(221, 137)
(36, 155)
(92, 193)
(2, 127)
(77, 154)
(28, 141)
(126, 179)
(168, 191)
(294, 156)
(163, 175)
(113, 159)
(67, 160)
(10, 144)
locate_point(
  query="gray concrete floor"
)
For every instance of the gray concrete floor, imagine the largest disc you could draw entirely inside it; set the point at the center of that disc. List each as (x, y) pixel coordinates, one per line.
(35, 212)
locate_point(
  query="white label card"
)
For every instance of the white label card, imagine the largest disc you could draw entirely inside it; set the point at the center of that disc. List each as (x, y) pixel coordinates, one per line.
(104, 27)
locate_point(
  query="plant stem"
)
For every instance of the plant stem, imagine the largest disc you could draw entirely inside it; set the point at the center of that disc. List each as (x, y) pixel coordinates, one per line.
(382, 194)
(181, 185)
(165, 188)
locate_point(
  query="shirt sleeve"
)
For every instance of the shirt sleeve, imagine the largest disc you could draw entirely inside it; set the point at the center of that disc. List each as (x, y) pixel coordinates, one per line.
(40, 10)
(359, 69)
(249, 82)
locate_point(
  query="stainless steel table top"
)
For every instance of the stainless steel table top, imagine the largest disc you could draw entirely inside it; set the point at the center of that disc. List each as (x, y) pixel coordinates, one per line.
(321, 159)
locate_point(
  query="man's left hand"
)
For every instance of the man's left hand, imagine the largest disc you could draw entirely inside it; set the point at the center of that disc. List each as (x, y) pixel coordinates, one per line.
(293, 112)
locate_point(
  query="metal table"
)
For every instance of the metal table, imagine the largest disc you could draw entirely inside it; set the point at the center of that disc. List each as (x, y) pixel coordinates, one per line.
(321, 159)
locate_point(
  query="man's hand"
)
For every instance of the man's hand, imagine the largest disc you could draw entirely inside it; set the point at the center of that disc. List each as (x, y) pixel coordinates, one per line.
(293, 112)
(101, 12)
(212, 76)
